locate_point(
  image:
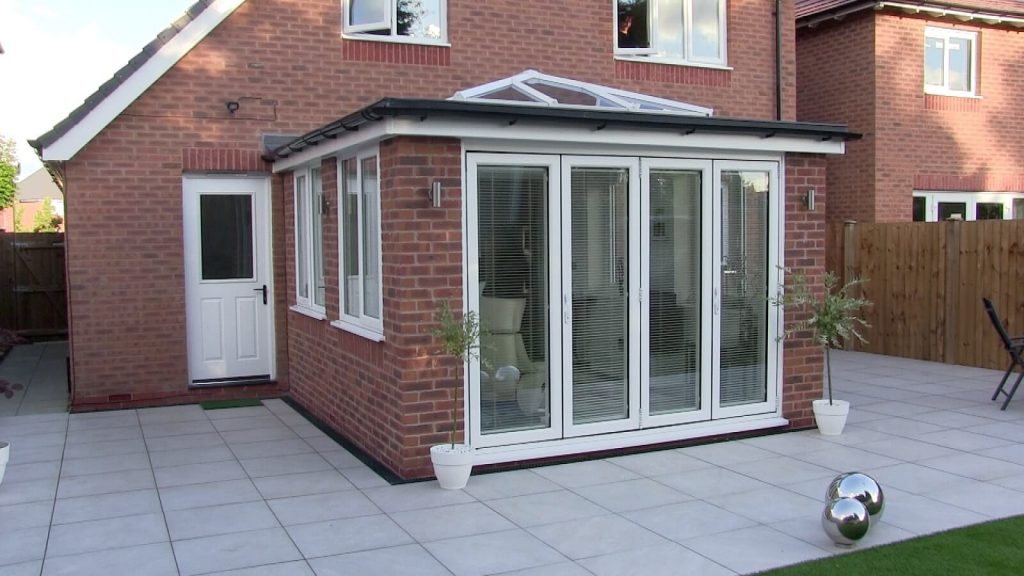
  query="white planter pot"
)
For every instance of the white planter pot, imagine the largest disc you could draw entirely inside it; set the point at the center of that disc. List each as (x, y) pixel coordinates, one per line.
(831, 418)
(5, 455)
(452, 466)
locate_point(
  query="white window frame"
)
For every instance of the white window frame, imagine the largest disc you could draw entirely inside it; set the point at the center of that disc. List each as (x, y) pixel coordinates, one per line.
(945, 34)
(971, 199)
(651, 54)
(361, 324)
(307, 304)
(365, 31)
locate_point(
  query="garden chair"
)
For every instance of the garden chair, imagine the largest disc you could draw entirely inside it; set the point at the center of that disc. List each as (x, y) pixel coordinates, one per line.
(1014, 347)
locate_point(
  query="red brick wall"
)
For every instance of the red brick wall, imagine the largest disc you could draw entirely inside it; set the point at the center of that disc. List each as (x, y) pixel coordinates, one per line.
(836, 83)
(286, 64)
(804, 254)
(868, 71)
(391, 398)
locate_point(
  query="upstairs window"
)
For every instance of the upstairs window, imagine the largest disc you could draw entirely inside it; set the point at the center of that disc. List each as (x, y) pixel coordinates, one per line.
(421, 21)
(680, 31)
(950, 58)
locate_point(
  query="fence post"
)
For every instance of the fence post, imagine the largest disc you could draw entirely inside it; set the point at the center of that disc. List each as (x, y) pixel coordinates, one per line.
(850, 249)
(951, 344)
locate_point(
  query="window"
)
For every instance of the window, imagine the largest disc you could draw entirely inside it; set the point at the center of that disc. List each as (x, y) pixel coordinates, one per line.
(359, 245)
(939, 206)
(421, 21)
(949, 61)
(683, 31)
(309, 240)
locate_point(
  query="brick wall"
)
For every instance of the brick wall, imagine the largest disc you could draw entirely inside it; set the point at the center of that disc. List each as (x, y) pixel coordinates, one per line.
(913, 141)
(804, 254)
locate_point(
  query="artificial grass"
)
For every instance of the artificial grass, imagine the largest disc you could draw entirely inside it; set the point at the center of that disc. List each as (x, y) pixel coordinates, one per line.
(993, 549)
(221, 404)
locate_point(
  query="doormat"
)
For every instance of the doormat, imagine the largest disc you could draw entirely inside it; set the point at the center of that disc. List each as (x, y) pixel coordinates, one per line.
(221, 404)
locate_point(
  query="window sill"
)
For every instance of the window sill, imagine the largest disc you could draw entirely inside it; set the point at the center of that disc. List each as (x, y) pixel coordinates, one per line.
(670, 61)
(358, 330)
(394, 39)
(949, 94)
(311, 312)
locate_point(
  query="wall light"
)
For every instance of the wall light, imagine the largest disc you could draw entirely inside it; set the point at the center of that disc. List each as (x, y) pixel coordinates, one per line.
(809, 200)
(434, 193)
(232, 106)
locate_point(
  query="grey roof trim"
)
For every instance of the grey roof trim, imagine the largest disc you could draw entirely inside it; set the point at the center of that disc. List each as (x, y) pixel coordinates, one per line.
(120, 76)
(936, 8)
(422, 108)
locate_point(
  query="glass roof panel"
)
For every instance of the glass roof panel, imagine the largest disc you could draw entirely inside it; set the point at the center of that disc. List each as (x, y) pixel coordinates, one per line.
(507, 93)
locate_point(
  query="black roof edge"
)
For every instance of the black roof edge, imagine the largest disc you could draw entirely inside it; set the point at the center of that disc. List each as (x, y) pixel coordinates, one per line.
(423, 108)
(119, 77)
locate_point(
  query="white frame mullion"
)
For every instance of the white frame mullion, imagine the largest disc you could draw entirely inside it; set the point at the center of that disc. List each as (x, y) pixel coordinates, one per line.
(472, 295)
(703, 303)
(632, 421)
(773, 346)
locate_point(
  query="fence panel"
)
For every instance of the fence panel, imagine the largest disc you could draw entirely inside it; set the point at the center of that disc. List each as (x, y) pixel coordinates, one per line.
(926, 282)
(33, 297)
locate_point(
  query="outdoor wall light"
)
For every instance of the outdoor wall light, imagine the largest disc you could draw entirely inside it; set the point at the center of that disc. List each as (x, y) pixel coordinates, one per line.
(232, 106)
(434, 193)
(809, 200)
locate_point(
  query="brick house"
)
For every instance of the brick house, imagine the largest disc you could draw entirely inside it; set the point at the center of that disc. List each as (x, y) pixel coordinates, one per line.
(935, 87)
(316, 176)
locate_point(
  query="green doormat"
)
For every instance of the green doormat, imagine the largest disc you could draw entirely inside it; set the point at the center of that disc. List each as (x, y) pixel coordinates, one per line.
(221, 404)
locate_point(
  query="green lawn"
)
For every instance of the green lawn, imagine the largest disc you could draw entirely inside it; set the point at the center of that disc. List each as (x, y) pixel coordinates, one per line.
(991, 549)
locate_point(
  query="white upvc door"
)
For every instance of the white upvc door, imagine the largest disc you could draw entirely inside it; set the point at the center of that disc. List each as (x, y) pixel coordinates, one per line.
(228, 286)
(676, 281)
(513, 270)
(745, 243)
(600, 294)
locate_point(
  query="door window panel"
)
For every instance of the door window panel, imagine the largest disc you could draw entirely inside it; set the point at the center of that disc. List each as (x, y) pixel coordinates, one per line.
(514, 316)
(744, 288)
(600, 336)
(675, 281)
(226, 236)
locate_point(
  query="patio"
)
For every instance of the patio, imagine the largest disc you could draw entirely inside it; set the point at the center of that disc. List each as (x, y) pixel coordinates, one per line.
(259, 490)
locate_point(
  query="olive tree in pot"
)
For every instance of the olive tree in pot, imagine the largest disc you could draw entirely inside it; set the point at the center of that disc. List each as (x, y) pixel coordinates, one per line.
(833, 318)
(460, 338)
(7, 390)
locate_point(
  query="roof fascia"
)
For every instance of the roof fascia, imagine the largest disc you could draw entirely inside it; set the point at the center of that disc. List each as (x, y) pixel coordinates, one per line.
(935, 10)
(76, 138)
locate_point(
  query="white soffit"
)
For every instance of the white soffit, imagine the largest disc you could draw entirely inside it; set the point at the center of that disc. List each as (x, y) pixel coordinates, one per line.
(65, 147)
(534, 88)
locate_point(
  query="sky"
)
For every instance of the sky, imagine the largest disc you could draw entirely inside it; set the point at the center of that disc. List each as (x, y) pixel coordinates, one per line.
(58, 52)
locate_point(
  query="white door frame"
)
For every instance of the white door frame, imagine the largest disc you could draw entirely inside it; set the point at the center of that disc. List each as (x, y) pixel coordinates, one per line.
(773, 347)
(472, 299)
(632, 421)
(704, 357)
(193, 186)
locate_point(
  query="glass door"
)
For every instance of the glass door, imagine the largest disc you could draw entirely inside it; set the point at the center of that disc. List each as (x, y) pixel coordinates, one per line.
(513, 266)
(745, 252)
(676, 278)
(600, 284)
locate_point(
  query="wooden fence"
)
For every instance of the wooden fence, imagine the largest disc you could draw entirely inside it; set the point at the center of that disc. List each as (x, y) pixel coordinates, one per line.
(926, 281)
(33, 296)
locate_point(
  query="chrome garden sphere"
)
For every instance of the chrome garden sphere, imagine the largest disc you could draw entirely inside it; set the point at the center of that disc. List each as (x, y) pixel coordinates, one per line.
(845, 521)
(861, 487)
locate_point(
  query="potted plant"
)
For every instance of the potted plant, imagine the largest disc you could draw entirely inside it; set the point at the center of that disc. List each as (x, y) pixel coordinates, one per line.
(5, 455)
(460, 338)
(833, 318)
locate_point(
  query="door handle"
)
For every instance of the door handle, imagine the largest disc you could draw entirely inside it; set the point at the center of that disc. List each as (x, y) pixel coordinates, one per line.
(264, 290)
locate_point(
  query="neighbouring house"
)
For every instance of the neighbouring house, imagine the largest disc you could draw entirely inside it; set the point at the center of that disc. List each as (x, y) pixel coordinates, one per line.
(35, 191)
(274, 196)
(935, 88)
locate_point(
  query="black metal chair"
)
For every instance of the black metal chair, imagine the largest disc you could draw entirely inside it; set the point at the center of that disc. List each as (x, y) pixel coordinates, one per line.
(1014, 347)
